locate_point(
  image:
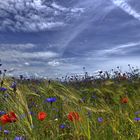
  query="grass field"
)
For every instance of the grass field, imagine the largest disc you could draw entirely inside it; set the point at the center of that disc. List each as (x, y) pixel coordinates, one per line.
(103, 109)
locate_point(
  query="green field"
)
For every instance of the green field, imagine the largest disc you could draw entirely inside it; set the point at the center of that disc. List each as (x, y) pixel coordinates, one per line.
(102, 113)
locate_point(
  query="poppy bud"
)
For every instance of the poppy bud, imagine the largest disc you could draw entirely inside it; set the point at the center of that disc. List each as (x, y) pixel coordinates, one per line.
(124, 100)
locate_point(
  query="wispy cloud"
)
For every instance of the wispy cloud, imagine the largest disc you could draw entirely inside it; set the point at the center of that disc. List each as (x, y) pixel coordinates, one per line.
(123, 4)
(54, 63)
(19, 47)
(27, 55)
(93, 14)
(24, 53)
(47, 54)
(121, 49)
(59, 7)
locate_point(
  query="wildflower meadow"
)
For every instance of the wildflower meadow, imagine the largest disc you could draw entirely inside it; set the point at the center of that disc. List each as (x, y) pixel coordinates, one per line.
(103, 108)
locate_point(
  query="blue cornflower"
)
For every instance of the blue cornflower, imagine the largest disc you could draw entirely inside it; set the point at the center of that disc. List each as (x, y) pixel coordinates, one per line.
(83, 99)
(3, 89)
(51, 99)
(100, 119)
(6, 131)
(62, 126)
(2, 112)
(138, 112)
(13, 85)
(6, 95)
(31, 113)
(18, 138)
(94, 96)
(0, 128)
(137, 119)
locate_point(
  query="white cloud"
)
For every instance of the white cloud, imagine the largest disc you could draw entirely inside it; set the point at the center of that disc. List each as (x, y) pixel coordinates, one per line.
(127, 8)
(47, 54)
(75, 10)
(8, 54)
(119, 50)
(27, 63)
(24, 54)
(19, 47)
(59, 7)
(11, 70)
(54, 63)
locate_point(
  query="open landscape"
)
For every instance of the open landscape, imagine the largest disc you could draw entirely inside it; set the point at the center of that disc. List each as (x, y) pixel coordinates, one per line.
(69, 69)
(107, 108)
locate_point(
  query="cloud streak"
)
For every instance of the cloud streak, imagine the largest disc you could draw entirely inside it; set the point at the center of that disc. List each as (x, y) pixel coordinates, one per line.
(24, 53)
(92, 16)
(19, 47)
(27, 55)
(127, 8)
(122, 49)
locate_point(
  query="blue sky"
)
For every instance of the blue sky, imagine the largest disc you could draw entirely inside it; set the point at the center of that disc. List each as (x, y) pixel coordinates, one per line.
(57, 37)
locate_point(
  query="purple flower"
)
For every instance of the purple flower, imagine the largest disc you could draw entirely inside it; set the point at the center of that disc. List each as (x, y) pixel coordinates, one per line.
(6, 131)
(6, 95)
(94, 96)
(137, 119)
(31, 113)
(2, 112)
(138, 112)
(100, 119)
(83, 99)
(3, 89)
(51, 99)
(13, 85)
(62, 126)
(18, 138)
(0, 128)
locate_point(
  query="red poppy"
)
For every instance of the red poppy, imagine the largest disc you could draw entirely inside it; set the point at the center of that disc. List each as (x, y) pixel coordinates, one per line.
(13, 117)
(73, 116)
(42, 116)
(124, 100)
(8, 118)
(4, 119)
